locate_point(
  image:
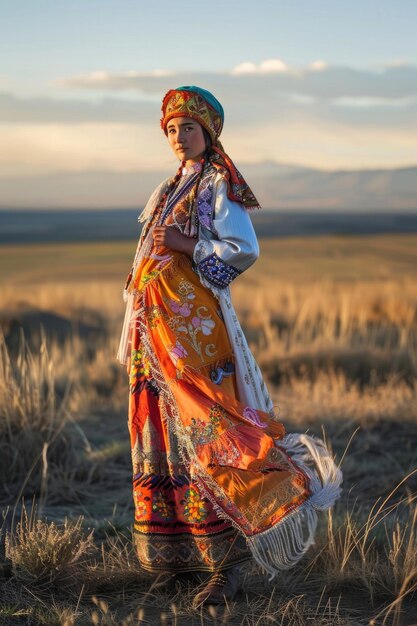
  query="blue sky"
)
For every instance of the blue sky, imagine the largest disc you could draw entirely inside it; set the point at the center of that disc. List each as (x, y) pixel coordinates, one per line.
(322, 83)
(40, 39)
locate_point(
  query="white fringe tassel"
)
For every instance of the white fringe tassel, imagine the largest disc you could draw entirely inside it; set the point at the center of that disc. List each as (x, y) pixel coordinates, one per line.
(123, 351)
(280, 547)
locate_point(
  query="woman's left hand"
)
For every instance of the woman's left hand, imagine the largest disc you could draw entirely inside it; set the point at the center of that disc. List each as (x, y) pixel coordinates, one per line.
(171, 237)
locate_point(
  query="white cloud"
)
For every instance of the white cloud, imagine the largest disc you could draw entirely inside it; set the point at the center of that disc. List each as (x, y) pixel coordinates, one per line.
(272, 65)
(318, 66)
(103, 79)
(156, 72)
(99, 77)
(367, 102)
(74, 110)
(269, 66)
(245, 68)
(320, 116)
(270, 77)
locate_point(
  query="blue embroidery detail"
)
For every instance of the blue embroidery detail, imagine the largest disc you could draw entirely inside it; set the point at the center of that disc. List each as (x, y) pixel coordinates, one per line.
(217, 271)
(204, 201)
(218, 373)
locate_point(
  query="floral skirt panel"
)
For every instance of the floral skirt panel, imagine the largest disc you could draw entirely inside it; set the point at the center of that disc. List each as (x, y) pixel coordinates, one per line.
(214, 480)
(176, 527)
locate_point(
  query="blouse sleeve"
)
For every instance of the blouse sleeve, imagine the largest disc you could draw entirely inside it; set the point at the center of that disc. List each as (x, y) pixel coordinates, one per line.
(221, 260)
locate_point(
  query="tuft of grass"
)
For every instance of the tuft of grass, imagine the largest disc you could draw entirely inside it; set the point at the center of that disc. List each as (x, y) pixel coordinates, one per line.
(45, 555)
(398, 574)
(117, 567)
(33, 420)
(376, 558)
(338, 341)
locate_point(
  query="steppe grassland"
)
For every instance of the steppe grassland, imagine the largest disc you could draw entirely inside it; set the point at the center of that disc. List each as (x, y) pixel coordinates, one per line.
(333, 323)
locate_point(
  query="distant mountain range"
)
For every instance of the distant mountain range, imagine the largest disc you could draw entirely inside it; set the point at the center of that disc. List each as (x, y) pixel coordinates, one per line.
(292, 187)
(277, 186)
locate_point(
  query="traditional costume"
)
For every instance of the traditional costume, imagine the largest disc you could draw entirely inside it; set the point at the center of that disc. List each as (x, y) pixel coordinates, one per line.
(216, 480)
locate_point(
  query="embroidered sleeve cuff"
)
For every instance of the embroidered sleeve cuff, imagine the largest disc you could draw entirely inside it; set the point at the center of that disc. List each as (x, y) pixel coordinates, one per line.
(217, 271)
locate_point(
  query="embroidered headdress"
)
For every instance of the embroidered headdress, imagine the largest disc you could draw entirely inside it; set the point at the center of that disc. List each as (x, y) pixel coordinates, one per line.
(196, 103)
(202, 106)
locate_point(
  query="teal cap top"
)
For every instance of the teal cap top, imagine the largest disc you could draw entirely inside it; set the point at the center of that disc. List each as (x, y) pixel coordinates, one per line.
(207, 95)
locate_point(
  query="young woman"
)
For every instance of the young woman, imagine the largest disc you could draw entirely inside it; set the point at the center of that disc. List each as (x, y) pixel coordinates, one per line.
(216, 480)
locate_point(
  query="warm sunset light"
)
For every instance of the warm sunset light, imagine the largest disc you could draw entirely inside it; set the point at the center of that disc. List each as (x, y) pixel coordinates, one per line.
(208, 312)
(328, 94)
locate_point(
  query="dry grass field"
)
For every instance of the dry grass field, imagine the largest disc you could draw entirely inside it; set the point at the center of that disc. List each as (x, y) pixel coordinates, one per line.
(333, 323)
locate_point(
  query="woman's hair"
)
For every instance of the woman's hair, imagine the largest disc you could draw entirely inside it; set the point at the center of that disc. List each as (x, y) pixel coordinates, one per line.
(209, 144)
(207, 138)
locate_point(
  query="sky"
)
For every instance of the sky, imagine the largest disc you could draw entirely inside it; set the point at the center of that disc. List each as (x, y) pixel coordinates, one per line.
(327, 84)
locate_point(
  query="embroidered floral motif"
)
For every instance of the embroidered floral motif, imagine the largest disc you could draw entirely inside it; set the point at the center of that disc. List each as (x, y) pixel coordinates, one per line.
(141, 509)
(195, 509)
(140, 366)
(177, 352)
(183, 308)
(201, 321)
(228, 454)
(162, 506)
(146, 278)
(203, 324)
(217, 271)
(203, 432)
(153, 315)
(253, 416)
(186, 289)
(140, 373)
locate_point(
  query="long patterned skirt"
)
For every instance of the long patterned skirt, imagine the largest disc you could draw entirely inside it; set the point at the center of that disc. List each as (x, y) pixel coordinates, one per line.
(211, 481)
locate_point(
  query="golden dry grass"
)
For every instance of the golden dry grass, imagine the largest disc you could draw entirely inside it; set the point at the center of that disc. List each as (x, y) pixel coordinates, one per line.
(333, 323)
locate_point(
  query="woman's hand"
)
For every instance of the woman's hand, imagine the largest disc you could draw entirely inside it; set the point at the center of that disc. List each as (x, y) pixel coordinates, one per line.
(171, 237)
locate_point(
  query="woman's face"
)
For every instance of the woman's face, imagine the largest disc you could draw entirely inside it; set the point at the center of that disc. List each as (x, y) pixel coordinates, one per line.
(186, 138)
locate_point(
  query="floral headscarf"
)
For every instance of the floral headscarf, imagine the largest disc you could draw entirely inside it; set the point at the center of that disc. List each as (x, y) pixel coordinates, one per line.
(196, 103)
(202, 106)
